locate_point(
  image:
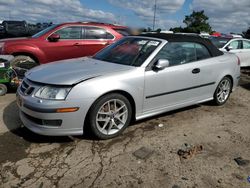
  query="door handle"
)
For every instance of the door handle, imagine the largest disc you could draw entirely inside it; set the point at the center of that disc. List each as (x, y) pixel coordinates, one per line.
(196, 71)
(77, 44)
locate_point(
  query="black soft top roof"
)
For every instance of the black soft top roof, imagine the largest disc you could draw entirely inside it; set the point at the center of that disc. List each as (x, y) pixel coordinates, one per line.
(186, 38)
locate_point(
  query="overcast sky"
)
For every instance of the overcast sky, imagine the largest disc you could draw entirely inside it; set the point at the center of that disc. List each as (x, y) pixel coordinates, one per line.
(225, 15)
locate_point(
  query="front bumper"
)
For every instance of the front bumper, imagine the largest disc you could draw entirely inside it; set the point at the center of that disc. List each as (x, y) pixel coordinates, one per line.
(236, 81)
(62, 130)
(40, 117)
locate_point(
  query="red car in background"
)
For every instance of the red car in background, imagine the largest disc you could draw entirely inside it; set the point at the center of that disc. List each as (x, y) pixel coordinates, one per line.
(62, 41)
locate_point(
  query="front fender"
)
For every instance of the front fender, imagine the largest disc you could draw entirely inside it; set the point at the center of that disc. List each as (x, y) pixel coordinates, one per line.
(131, 83)
(25, 49)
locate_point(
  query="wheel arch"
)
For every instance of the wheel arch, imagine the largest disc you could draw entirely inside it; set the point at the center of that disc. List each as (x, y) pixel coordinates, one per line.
(26, 54)
(231, 78)
(121, 92)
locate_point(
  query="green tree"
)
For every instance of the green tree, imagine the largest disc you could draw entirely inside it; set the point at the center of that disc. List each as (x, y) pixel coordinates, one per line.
(158, 30)
(197, 22)
(246, 33)
(177, 29)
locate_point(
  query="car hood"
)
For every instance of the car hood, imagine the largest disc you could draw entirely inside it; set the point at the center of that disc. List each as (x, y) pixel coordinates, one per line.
(73, 71)
(20, 39)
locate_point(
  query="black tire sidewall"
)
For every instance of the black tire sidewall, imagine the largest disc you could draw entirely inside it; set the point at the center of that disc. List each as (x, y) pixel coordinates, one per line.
(215, 93)
(3, 89)
(97, 105)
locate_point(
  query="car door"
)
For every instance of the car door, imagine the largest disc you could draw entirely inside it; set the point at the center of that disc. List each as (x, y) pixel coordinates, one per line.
(70, 44)
(96, 38)
(187, 79)
(245, 53)
(235, 47)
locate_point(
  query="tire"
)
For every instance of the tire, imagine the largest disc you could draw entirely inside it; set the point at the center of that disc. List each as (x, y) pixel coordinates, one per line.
(109, 116)
(223, 91)
(3, 89)
(22, 63)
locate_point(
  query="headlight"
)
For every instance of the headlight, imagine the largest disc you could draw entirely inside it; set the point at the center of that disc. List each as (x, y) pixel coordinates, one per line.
(50, 92)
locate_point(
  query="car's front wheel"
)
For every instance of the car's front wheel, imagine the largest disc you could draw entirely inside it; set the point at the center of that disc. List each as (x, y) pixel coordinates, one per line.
(3, 89)
(109, 115)
(223, 91)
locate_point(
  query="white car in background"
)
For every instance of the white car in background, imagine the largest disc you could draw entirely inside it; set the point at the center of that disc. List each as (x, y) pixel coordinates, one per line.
(238, 46)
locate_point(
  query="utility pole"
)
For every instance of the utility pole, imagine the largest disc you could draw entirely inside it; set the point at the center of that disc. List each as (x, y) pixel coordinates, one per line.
(154, 16)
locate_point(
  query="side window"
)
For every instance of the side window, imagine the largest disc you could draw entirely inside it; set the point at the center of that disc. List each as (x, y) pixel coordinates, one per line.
(183, 52)
(201, 52)
(235, 45)
(97, 33)
(70, 33)
(178, 53)
(246, 44)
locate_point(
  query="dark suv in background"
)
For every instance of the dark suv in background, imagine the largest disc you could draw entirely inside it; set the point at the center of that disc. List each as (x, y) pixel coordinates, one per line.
(62, 41)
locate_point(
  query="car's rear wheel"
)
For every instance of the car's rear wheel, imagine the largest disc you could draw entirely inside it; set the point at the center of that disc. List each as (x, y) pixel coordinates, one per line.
(3, 89)
(223, 91)
(109, 116)
(22, 63)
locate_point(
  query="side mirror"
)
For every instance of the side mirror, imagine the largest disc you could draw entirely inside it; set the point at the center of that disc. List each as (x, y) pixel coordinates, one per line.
(228, 48)
(54, 37)
(161, 64)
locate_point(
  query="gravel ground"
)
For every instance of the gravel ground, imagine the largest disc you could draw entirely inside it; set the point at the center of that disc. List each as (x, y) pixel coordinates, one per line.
(199, 146)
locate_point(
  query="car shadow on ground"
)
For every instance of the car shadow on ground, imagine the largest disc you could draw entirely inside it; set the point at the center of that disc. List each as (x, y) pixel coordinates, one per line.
(246, 86)
(13, 123)
(245, 78)
(166, 114)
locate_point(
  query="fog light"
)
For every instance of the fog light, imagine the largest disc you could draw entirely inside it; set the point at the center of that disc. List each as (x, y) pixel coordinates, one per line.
(52, 122)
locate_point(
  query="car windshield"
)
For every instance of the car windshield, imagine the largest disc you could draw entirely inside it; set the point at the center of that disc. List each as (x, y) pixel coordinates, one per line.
(128, 51)
(44, 31)
(219, 42)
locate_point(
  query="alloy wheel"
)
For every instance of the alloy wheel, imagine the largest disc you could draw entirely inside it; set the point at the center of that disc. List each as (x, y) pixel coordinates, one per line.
(223, 90)
(112, 117)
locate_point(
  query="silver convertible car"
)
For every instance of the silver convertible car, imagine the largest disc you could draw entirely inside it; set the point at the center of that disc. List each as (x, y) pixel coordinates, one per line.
(135, 78)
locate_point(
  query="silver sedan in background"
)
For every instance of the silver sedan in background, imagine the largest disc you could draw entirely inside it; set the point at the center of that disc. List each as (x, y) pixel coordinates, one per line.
(238, 46)
(135, 78)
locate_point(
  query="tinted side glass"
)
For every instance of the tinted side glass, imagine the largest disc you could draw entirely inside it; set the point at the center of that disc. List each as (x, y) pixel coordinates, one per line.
(202, 52)
(70, 33)
(178, 53)
(97, 33)
(246, 45)
(235, 45)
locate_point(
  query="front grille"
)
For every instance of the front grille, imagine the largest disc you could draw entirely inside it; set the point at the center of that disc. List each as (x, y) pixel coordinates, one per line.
(26, 88)
(55, 123)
